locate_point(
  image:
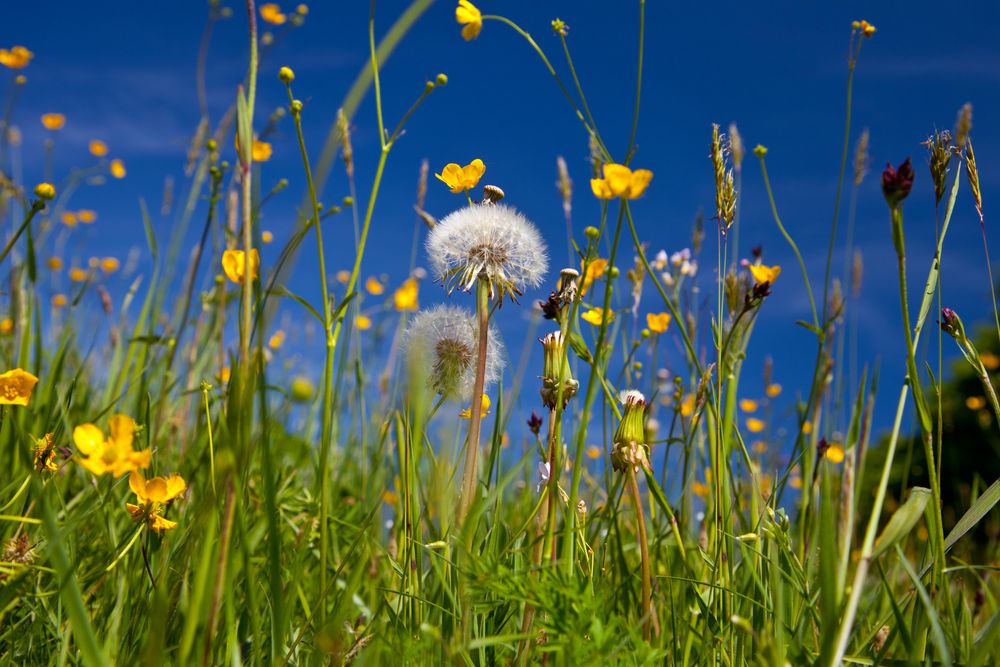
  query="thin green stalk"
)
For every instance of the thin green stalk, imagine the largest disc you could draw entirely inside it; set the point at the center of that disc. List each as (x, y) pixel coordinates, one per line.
(470, 476)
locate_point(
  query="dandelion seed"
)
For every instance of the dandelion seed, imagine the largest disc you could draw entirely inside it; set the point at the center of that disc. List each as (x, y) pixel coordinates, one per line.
(470, 18)
(462, 179)
(444, 340)
(53, 121)
(152, 496)
(620, 181)
(487, 241)
(234, 263)
(16, 387)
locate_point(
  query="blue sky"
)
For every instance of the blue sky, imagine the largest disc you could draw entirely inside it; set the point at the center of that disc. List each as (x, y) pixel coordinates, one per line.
(125, 73)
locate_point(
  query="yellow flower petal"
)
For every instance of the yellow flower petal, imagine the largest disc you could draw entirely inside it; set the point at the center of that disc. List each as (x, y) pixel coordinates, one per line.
(597, 316)
(639, 182)
(117, 168)
(374, 286)
(618, 178)
(657, 322)
(16, 387)
(88, 439)
(755, 425)
(233, 263)
(748, 405)
(469, 16)
(405, 298)
(53, 121)
(97, 148)
(261, 151)
(601, 188)
(484, 409)
(764, 274)
(591, 272)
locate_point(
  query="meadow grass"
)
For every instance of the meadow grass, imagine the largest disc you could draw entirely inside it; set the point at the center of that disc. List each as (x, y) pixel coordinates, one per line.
(170, 495)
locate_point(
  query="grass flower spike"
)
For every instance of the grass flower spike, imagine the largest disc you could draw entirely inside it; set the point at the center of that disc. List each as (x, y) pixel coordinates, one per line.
(490, 242)
(152, 496)
(113, 454)
(443, 341)
(16, 387)
(462, 179)
(234, 263)
(470, 18)
(620, 181)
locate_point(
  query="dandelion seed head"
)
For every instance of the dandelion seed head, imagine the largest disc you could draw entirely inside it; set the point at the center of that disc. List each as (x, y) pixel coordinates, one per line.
(444, 341)
(489, 241)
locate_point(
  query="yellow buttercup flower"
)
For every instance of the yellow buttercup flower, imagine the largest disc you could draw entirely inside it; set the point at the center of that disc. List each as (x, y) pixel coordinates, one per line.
(6, 326)
(234, 263)
(759, 446)
(343, 276)
(59, 301)
(45, 454)
(113, 454)
(699, 489)
(975, 402)
(773, 390)
(16, 387)
(470, 18)
(834, 453)
(97, 148)
(55, 263)
(405, 298)
(17, 57)
(261, 151)
(591, 272)
(764, 274)
(86, 216)
(990, 360)
(68, 218)
(748, 405)
(276, 340)
(78, 275)
(461, 179)
(110, 264)
(866, 28)
(266, 236)
(364, 322)
(484, 410)
(152, 496)
(53, 121)
(271, 13)
(117, 168)
(45, 191)
(657, 322)
(795, 482)
(597, 316)
(620, 181)
(755, 425)
(687, 406)
(374, 286)
(594, 452)
(807, 427)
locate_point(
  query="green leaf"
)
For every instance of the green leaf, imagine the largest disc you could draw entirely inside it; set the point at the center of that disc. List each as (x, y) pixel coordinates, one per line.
(281, 290)
(579, 347)
(810, 326)
(903, 521)
(974, 515)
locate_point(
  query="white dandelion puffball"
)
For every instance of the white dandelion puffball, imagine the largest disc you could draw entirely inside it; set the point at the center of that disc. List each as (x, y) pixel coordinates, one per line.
(489, 241)
(442, 343)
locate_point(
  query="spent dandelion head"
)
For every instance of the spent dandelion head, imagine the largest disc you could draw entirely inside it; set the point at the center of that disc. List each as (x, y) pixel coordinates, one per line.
(490, 242)
(442, 342)
(629, 448)
(557, 376)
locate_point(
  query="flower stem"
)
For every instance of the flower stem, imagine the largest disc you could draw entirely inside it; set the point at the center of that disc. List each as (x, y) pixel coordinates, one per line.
(471, 474)
(645, 610)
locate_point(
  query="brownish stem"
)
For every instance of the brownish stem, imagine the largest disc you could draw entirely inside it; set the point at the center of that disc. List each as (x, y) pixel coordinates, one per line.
(471, 475)
(640, 522)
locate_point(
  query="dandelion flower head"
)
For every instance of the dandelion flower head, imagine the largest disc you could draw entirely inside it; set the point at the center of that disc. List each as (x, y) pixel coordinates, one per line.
(444, 341)
(489, 241)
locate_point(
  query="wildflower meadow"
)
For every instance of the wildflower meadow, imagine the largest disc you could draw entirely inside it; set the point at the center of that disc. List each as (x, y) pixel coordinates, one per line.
(340, 403)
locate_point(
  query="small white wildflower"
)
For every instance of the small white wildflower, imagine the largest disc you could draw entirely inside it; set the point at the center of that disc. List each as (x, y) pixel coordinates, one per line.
(689, 267)
(489, 241)
(445, 341)
(680, 256)
(668, 279)
(543, 475)
(660, 261)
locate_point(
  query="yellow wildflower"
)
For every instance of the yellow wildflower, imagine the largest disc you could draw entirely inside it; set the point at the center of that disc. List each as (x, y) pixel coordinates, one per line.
(657, 322)
(53, 121)
(117, 168)
(807, 427)
(591, 272)
(225, 374)
(748, 405)
(6, 326)
(59, 301)
(795, 482)
(45, 454)
(374, 286)
(277, 339)
(687, 406)
(773, 390)
(78, 275)
(45, 191)
(390, 497)
(593, 452)
(112, 454)
(699, 489)
(470, 18)
(755, 425)
(485, 410)
(234, 261)
(55, 263)
(364, 323)
(302, 9)
(17, 57)
(990, 360)
(110, 264)
(405, 298)
(153, 495)
(261, 151)
(620, 181)
(68, 218)
(866, 28)
(97, 148)
(86, 216)
(975, 402)
(835, 453)
(597, 316)
(16, 387)
(759, 446)
(343, 276)
(764, 274)
(266, 236)
(461, 179)
(271, 13)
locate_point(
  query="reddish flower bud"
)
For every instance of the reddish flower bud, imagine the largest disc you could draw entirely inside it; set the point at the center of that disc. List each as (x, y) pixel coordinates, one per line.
(896, 183)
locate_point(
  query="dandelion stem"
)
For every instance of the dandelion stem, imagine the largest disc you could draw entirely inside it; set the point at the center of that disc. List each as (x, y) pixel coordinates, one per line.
(646, 611)
(471, 473)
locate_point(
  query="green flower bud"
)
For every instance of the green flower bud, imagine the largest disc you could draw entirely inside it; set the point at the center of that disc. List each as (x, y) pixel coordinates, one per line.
(286, 75)
(556, 372)
(591, 232)
(629, 443)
